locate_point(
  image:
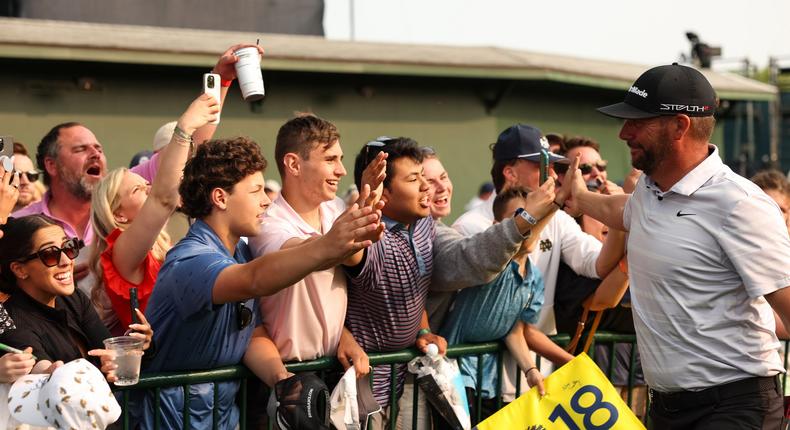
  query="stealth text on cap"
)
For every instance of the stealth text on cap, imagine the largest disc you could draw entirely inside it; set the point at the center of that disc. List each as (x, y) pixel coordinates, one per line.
(684, 108)
(637, 91)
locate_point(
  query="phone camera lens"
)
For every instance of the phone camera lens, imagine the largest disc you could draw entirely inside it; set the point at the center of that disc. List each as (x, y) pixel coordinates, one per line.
(210, 82)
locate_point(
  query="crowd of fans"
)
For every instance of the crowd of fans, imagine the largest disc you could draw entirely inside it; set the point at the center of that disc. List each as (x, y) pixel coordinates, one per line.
(268, 275)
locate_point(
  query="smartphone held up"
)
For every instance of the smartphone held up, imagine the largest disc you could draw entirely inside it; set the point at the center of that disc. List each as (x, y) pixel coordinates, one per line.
(211, 86)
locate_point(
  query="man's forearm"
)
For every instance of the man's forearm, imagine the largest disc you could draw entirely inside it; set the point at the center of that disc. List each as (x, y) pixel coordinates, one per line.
(611, 252)
(780, 302)
(606, 209)
(263, 358)
(545, 347)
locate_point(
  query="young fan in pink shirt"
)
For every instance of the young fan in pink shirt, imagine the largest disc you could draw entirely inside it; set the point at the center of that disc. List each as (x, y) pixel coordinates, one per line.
(305, 321)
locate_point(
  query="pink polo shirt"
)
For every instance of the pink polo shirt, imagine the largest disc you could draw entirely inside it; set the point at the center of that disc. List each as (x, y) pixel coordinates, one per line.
(147, 170)
(306, 319)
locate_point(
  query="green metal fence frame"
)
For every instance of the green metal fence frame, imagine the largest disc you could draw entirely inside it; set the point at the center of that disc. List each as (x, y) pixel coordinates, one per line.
(156, 382)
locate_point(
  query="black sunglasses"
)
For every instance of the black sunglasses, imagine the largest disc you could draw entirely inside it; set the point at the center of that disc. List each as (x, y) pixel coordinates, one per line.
(245, 315)
(32, 175)
(50, 255)
(586, 168)
(375, 146)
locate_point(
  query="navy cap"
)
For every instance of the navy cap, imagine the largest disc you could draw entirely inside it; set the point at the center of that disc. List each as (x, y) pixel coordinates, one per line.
(141, 157)
(666, 90)
(486, 187)
(522, 141)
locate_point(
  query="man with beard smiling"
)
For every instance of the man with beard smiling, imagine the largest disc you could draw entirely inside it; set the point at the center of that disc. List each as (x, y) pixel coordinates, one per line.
(709, 256)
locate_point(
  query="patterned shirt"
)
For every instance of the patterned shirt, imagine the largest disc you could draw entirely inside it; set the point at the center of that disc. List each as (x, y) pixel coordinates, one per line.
(386, 298)
(194, 333)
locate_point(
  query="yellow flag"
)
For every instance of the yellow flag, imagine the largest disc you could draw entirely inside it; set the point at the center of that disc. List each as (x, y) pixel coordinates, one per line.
(578, 396)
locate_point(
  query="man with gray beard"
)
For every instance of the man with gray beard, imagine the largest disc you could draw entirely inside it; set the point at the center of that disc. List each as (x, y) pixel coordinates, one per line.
(72, 162)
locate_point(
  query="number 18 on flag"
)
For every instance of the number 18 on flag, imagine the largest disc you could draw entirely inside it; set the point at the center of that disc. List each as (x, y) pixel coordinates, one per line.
(578, 396)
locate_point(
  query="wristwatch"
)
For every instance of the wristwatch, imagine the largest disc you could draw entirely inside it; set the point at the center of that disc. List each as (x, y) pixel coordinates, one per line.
(527, 217)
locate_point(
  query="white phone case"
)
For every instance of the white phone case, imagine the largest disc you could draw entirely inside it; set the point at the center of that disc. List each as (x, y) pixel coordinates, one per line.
(211, 86)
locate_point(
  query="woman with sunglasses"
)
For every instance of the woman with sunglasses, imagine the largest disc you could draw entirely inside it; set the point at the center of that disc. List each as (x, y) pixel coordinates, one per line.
(129, 216)
(53, 318)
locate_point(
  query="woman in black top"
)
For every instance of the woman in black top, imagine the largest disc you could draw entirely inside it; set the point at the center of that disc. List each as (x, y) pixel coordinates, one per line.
(51, 315)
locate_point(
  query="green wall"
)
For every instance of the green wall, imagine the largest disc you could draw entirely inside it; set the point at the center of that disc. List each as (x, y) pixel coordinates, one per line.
(131, 102)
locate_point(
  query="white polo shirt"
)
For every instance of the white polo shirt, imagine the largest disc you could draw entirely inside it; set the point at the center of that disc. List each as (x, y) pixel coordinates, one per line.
(701, 257)
(561, 240)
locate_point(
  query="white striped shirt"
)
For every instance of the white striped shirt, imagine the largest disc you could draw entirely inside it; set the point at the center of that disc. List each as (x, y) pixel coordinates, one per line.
(701, 256)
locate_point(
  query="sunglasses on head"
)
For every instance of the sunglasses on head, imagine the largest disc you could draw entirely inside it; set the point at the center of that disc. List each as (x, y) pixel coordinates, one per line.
(245, 315)
(586, 168)
(375, 146)
(50, 255)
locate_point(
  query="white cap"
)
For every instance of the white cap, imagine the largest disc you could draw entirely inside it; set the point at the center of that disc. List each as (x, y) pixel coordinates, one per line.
(163, 136)
(272, 185)
(76, 395)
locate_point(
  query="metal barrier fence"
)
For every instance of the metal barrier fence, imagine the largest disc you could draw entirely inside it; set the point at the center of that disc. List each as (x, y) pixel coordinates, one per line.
(155, 382)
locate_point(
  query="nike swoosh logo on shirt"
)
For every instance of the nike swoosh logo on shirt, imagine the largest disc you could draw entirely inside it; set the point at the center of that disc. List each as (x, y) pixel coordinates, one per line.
(682, 214)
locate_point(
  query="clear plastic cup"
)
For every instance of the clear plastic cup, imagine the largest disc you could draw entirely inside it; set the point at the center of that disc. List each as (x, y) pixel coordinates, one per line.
(127, 354)
(248, 72)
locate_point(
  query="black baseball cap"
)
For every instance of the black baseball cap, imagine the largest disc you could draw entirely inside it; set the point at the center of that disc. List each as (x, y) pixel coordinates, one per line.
(522, 141)
(666, 90)
(302, 402)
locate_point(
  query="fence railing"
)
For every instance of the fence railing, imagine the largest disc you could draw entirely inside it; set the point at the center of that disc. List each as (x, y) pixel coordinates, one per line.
(155, 382)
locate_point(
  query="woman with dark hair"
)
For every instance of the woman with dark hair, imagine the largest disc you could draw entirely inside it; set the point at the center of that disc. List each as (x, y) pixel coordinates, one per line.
(57, 321)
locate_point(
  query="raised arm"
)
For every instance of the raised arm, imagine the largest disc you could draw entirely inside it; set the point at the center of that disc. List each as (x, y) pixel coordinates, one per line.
(134, 243)
(370, 195)
(271, 273)
(461, 262)
(9, 193)
(607, 209)
(226, 69)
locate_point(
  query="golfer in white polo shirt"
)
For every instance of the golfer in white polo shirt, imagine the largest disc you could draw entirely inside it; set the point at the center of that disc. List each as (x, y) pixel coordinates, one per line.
(709, 256)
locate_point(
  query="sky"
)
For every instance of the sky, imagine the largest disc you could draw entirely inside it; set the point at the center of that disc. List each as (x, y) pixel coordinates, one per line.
(634, 31)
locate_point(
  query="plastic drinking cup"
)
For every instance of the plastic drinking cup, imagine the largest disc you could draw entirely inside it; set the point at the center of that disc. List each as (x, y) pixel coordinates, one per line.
(128, 352)
(248, 71)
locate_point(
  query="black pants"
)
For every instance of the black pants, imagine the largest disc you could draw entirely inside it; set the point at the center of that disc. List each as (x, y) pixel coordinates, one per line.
(753, 403)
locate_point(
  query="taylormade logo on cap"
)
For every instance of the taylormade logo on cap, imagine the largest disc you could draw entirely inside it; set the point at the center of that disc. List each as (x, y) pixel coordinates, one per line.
(637, 91)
